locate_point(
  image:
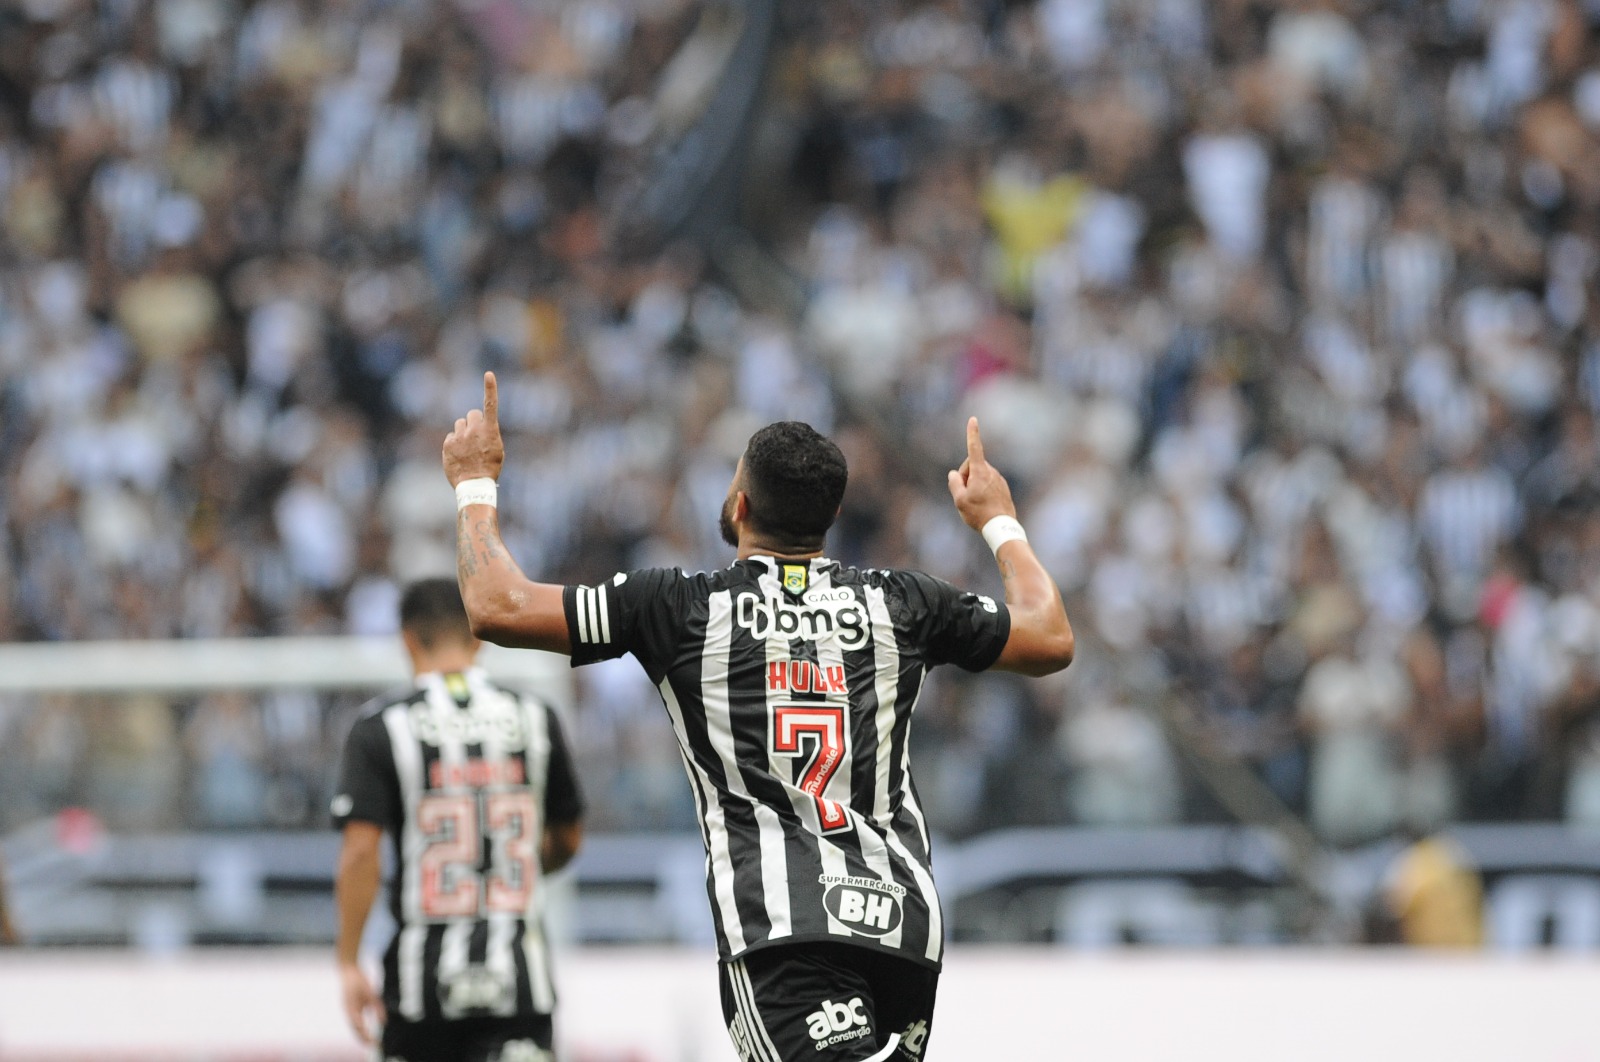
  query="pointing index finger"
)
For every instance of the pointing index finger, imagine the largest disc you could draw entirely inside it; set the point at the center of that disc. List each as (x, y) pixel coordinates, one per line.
(491, 399)
(974, 442)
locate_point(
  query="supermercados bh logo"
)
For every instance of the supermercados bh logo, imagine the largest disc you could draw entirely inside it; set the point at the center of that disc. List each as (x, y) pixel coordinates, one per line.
(864, 905)
(476, 989)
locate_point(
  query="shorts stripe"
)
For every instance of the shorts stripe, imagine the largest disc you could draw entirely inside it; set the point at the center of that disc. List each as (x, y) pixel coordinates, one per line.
(740, 1017)
(883, 1056)
(745, 993)
(759, 1037)
(741, 1011)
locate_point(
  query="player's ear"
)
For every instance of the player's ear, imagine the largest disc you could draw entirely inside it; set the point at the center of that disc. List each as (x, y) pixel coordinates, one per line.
(741, 507)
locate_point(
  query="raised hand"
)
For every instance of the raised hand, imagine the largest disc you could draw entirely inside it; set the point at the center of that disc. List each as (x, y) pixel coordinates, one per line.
(978, 489)
(474, 447)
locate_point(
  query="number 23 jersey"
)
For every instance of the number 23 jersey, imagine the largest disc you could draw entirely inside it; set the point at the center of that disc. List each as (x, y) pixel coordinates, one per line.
(464, 776)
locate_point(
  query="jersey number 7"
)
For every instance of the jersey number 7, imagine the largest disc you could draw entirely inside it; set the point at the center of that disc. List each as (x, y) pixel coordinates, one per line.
(457, 827)
(816, 732)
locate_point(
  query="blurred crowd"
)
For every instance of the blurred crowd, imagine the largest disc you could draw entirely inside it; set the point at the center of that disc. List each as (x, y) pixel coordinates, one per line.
(1280, 316)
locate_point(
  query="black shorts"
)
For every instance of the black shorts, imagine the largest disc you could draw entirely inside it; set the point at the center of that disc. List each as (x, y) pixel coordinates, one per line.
(525, 1039)
(827, 1003)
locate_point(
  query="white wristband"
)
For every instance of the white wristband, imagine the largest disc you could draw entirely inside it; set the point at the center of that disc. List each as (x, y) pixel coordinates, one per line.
(1002, 529)
(480, 491)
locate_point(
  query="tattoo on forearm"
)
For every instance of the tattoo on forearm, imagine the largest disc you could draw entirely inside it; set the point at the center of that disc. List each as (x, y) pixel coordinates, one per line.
(477, 545)
(490, 541)
(466, 560)
(1008, 572)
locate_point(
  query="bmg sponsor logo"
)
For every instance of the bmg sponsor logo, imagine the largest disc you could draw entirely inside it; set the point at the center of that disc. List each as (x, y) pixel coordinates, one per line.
(491, 717)
(822, 616)
(864, 905)
(836, 1023)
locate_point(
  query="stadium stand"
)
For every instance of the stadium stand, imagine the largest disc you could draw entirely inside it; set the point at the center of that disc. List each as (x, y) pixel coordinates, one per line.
(1281, 316)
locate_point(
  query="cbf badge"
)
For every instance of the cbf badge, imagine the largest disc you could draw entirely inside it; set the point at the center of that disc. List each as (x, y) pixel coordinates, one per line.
(794, 579)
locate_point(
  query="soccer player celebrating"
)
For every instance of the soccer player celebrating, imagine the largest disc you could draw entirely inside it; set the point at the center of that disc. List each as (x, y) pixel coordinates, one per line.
(474, 785)
(790, 681)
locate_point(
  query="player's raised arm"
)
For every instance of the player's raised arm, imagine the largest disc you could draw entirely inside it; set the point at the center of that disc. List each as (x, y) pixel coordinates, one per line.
(1041, 638)
(504, 606)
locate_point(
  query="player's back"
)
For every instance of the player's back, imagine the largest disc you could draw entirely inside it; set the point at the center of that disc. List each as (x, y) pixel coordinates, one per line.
(790, 686)
(457, 772)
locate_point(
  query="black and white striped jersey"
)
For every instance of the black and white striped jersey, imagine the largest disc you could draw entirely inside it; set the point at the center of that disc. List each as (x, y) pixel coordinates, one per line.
(464, 776)
(790, 687)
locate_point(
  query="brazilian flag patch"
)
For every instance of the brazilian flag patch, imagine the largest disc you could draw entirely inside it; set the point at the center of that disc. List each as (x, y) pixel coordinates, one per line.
(794, 578)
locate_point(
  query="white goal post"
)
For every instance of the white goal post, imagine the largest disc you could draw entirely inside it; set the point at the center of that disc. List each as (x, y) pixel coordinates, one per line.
(199, 665)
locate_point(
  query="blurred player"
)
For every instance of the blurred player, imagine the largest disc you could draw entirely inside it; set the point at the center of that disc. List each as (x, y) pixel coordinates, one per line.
(474, 785)
(790, 681)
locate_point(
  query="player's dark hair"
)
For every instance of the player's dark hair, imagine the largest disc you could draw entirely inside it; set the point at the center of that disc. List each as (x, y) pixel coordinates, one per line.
(795, 479)
(431, 610)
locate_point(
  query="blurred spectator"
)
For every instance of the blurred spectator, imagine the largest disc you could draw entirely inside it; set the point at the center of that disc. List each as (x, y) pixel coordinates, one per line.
(1228, 173)
(1352, 705)
(1123, 773)
(133, 762)
(225, 738)
(9, 934)
(1435, 895)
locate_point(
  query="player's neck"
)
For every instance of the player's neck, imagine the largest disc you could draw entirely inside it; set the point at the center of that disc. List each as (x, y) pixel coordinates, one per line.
(758, 547)
(445, 663)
